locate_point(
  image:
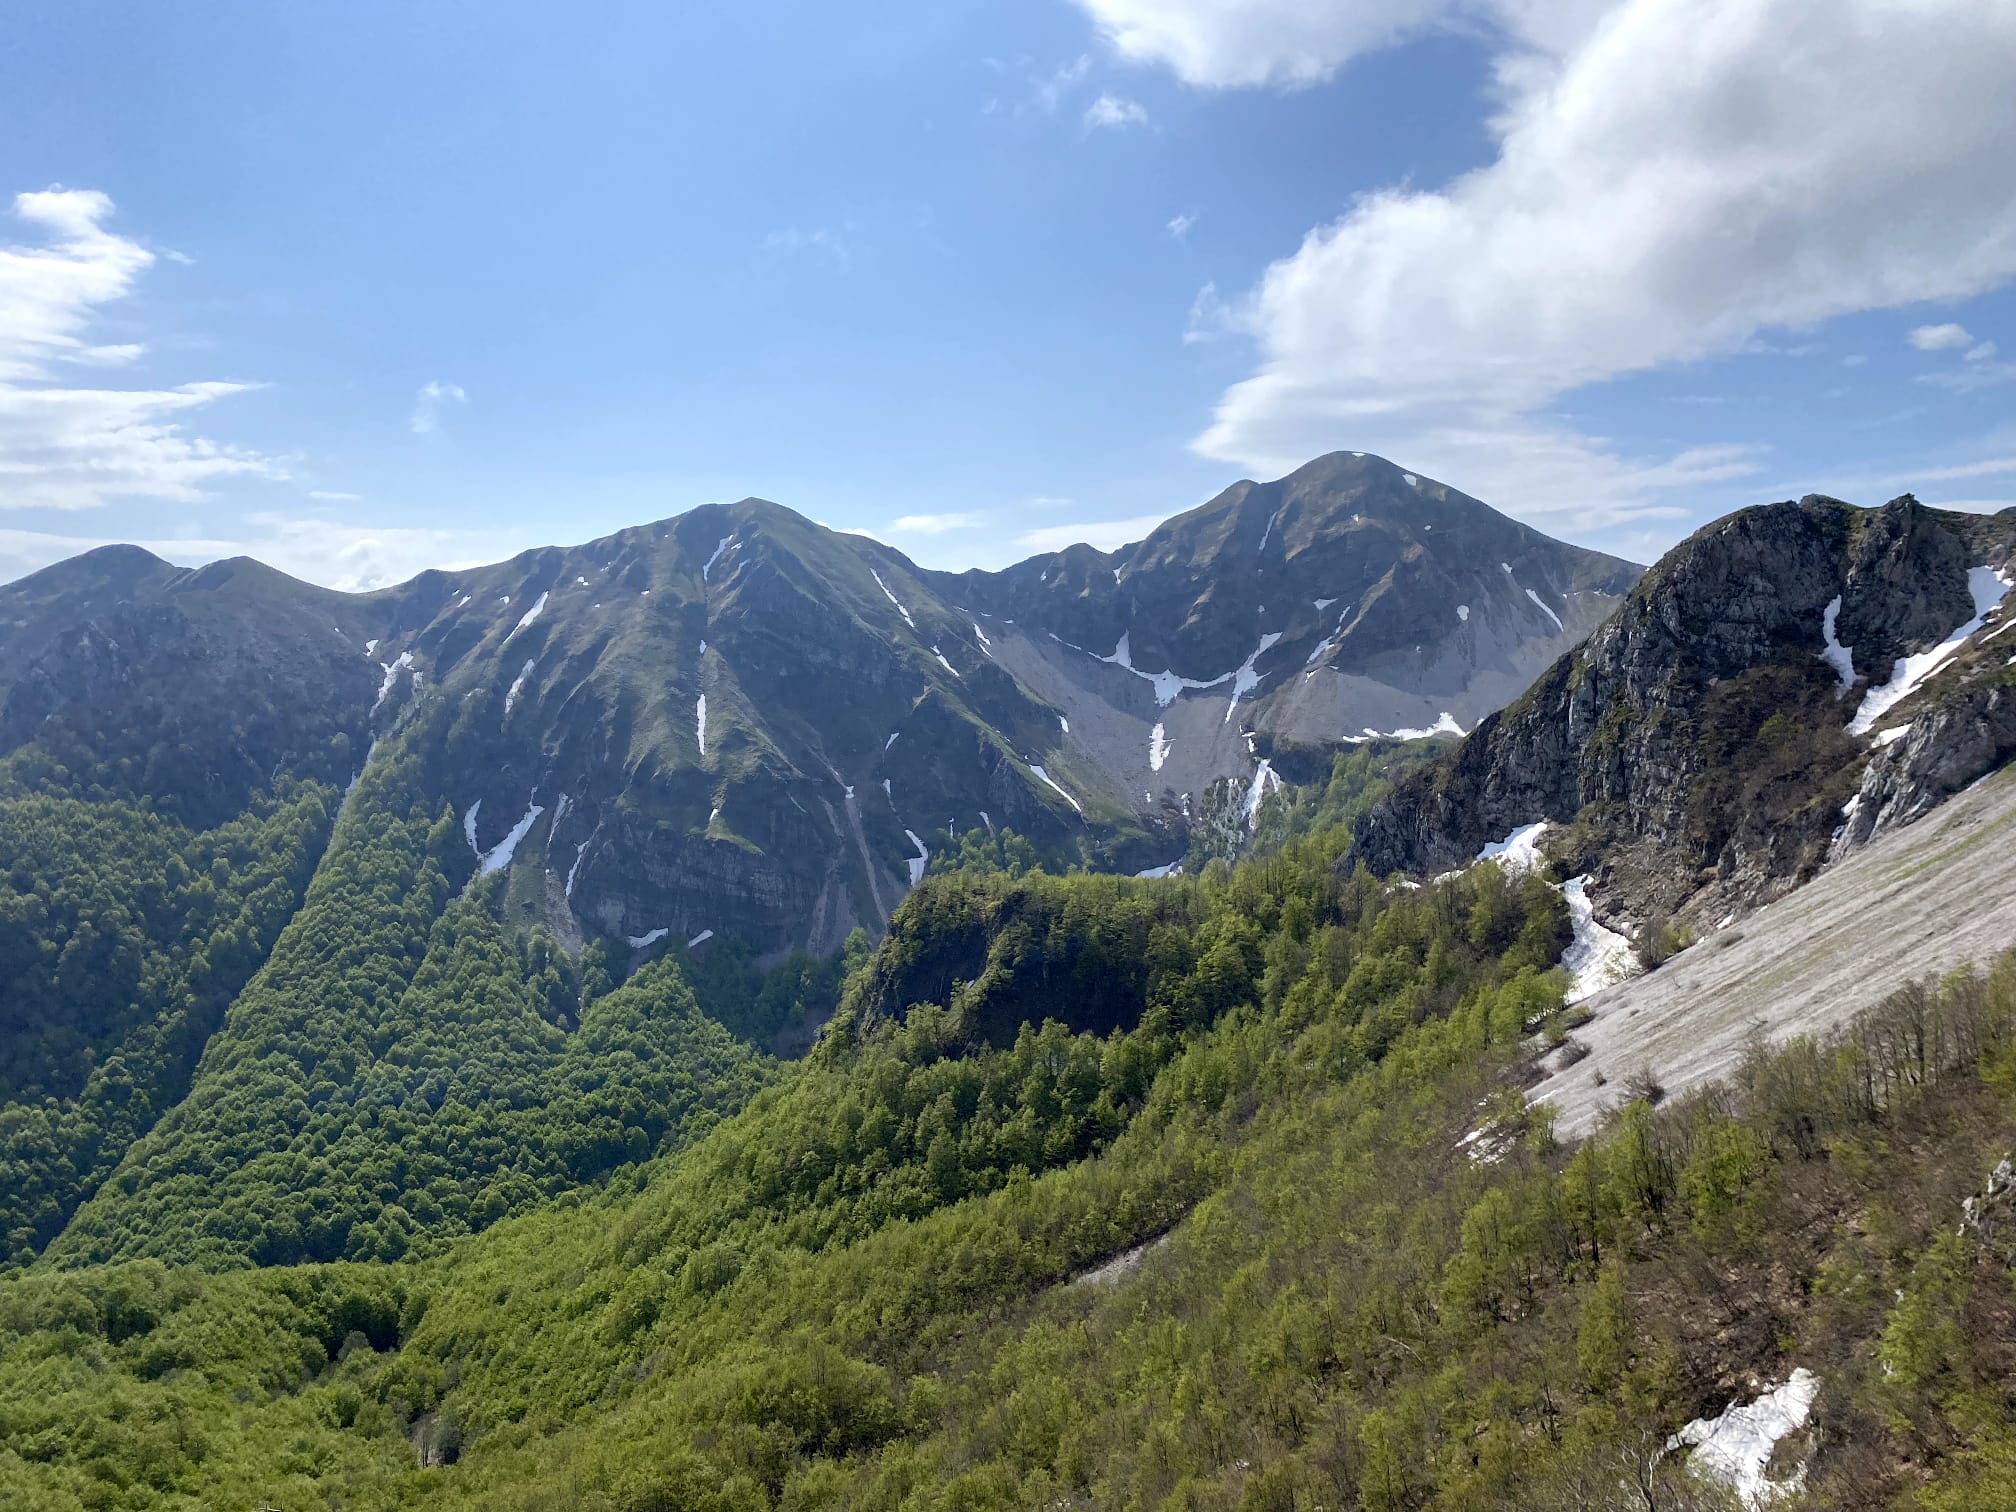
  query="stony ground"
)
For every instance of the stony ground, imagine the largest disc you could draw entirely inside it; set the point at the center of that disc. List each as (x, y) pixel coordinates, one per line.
(1919, 901)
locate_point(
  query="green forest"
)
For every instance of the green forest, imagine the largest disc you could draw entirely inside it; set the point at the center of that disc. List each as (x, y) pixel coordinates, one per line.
(1209, 1192)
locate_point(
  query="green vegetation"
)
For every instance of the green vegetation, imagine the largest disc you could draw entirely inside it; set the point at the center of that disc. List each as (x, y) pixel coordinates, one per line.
(1213, 1192)
(123, 938)
(402, 1071)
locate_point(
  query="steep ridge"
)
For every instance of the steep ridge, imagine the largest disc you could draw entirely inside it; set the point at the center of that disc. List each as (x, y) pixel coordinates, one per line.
(1787, 683)
(740, 722)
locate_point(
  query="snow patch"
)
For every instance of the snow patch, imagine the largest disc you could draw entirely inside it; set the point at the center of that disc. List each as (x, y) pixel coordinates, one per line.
(575, 870)
(1547, 611)
(1064, 723)
(530, 615)
(1841, 658)
(370, 647)
(704, 571)
(511, 693)
(1518, 851)
(700, 939)
(1245, 679)
(1167, 684)
(469, 825)
(1171, 869)
(890, 741)
(1412, 481)
(1446, 725)
(500, 855)
(1158, 749)
(893, 599)
(944, 663)
(1322, 604)
(1257, 793)
(1909, 673)
(985, 644)
(986, 821)
(1599, 957)
(1463, 613)
(644, 941)
(1735, 1447)
(700, 722)
(393, 668)
(919, 861)
(1892, 736)
(1044, 777)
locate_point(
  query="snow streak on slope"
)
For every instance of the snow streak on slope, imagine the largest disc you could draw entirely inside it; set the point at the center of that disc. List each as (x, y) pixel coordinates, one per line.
(700, 722)
(500, 855)
(1044, 777)
(709, 568)
(511, 693)
(1909, 673)
(1599, 957)
(892, 598)
(919, 861)
(1841, 658)
(530, 614)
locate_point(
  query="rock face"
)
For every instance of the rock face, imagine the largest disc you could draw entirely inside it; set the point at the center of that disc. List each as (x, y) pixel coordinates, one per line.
(1700, 741)
(739, 721)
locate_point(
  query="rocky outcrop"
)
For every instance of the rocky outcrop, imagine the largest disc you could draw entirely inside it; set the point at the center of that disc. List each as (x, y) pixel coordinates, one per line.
(1699, 741)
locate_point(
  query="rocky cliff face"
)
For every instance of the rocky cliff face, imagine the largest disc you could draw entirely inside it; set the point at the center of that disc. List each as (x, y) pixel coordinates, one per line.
(1704, 742)
(740, 722)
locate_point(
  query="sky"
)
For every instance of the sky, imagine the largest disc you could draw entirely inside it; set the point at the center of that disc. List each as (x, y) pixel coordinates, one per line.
(367, 288)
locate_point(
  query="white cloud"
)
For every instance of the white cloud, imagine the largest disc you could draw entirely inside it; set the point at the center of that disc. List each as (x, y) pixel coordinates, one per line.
(1105, 535)
(934, 524)
(1980, 352)
(1234, 42)
(1179, 225)
(1673, 179)
(432, 398)
(1939, 338)
(69, 447)
(333, 496)
(1116, 112)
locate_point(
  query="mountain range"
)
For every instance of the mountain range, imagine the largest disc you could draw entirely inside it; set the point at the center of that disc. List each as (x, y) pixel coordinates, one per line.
(741, 724)
(669, 1023)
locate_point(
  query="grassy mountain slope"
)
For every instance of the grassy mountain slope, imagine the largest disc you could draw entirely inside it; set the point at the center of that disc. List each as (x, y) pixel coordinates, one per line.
(860, 1290)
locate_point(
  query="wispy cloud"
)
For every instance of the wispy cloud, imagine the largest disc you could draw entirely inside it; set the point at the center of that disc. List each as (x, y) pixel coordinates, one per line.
(820, 242)
(1980, 352)
(1115, 113)
(1103, 535)
(66, 446)
(935, 524)
(1179, 225)
(1210, 317)
(1052, 89)
(333, 496)
(433, 397)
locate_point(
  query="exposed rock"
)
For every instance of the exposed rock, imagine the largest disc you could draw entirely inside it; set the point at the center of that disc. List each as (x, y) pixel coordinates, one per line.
(1699, 738)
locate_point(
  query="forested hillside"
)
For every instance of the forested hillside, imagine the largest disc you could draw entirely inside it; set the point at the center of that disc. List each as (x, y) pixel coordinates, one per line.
(1270, 1228)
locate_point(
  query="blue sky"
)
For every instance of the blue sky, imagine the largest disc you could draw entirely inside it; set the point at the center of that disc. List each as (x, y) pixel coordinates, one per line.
(367, 288)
